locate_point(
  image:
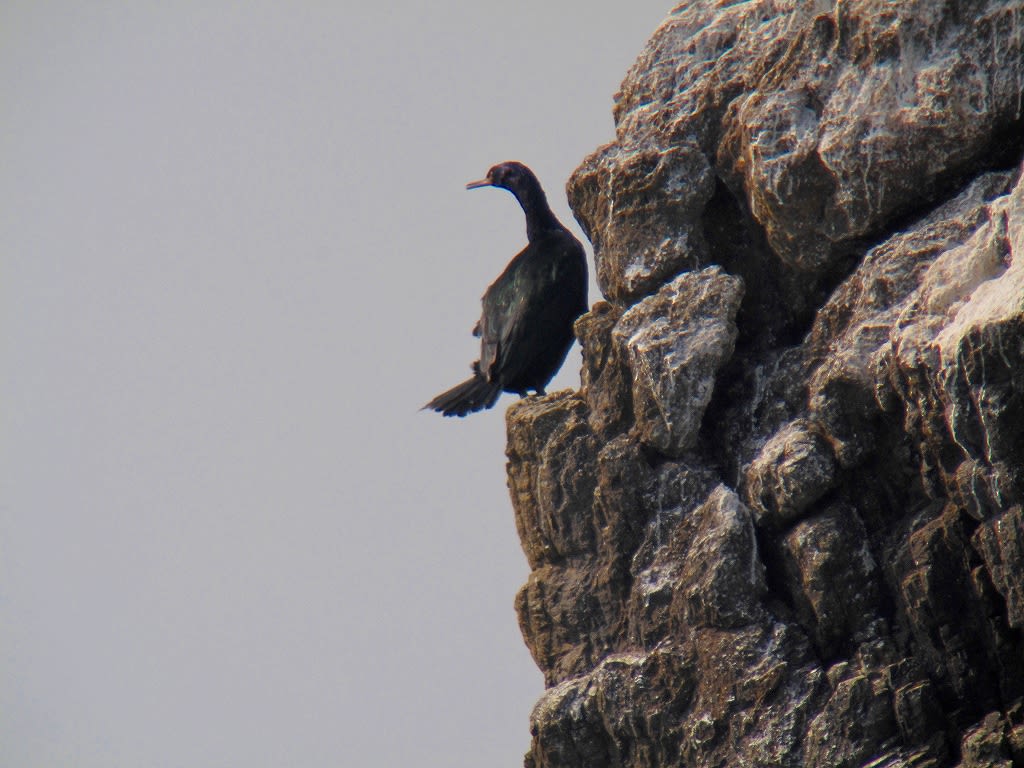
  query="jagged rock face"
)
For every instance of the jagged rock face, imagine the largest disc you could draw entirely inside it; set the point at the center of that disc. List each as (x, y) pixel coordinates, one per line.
(781, 523)
(827, 119)
(674, 343)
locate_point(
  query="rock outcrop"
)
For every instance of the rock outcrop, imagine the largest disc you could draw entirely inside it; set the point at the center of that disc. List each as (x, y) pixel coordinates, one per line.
(781, 523)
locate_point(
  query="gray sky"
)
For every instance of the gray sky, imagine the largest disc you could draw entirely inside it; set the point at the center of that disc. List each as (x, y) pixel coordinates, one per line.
(237, 257)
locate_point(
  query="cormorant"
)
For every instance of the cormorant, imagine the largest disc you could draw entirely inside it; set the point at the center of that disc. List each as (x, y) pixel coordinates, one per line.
(528, 312)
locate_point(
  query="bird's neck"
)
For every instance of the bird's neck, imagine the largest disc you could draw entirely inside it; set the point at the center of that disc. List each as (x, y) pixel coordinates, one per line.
(539, 217)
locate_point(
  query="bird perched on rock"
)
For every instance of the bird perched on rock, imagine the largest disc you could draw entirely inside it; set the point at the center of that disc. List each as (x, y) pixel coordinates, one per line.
(526, 327)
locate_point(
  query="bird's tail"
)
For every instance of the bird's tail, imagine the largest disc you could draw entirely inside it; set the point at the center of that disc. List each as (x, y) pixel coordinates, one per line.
(474, 394)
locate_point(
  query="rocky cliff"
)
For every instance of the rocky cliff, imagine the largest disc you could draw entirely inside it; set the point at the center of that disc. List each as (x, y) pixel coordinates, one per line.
(781, 523)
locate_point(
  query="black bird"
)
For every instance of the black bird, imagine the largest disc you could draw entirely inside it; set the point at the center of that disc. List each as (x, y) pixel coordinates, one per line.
(528, 312)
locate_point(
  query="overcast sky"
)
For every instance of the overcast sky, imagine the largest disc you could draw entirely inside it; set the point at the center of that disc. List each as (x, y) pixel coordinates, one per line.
(237, 257)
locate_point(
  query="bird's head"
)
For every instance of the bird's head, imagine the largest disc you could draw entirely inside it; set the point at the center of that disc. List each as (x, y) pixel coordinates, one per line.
(512, 176)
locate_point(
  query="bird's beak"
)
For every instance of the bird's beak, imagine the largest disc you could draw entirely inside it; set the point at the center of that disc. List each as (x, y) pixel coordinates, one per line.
(478, 184)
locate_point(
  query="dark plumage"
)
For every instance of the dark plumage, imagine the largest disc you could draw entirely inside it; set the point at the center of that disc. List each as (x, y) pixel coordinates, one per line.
(528, 312)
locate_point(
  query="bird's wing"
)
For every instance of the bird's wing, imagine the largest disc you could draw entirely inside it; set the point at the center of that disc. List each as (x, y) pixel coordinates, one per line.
(504, 305)
(512, 306)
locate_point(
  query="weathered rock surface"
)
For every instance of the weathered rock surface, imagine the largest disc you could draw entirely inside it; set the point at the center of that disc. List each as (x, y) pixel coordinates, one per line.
(828, 119)
(781, 523)
(674, 342)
